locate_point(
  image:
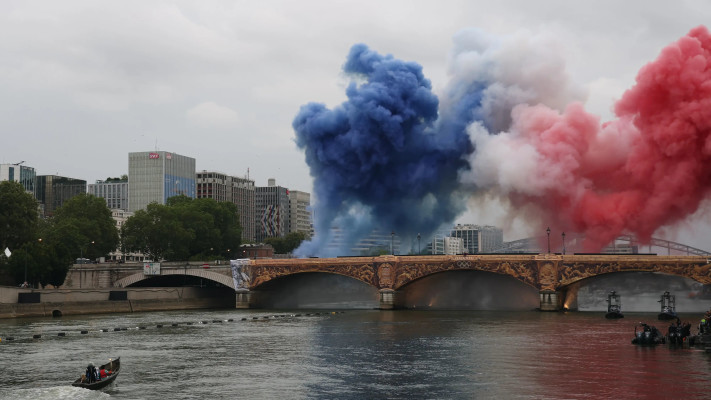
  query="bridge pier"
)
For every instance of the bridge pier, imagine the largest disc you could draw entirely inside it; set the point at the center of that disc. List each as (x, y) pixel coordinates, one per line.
(551, 300)
(389, 299)
(242, 299)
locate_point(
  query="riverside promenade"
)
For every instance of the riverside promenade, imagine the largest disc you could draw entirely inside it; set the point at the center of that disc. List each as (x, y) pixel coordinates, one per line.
(22, 302)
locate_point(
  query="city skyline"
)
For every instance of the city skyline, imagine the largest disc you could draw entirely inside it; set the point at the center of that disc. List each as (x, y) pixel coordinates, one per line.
(86, 84)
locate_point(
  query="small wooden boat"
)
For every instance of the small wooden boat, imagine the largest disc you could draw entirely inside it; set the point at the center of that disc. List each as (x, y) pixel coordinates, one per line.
(668, 308)
(614, 306)
(114, 366)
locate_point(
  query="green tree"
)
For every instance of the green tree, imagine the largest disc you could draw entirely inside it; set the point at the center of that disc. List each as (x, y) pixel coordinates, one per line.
(184, 229)
(287, 244)
(156, 232)
(223, 233)
(18, 216)
(86, 222)
(18, 228)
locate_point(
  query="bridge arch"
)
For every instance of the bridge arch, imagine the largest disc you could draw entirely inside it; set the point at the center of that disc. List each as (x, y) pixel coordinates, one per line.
(315, 289)
(297, 274)
(200, 273)
(694, 268)
(263, 271)
(523, 269)
(469, 289)
(609, 274)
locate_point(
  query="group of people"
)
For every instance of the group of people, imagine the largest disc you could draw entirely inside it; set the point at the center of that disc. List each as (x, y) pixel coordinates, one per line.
(94, 374)
(683, 329)
(705, 325)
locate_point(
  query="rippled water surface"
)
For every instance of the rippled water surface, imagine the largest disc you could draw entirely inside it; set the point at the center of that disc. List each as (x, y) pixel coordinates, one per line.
(350, 355)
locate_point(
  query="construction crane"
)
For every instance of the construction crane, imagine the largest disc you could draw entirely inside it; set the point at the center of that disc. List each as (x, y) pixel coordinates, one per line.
(19, 163)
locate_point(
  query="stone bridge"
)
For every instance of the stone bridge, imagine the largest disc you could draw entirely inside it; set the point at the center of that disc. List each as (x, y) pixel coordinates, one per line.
(551, 274)
(112, 275)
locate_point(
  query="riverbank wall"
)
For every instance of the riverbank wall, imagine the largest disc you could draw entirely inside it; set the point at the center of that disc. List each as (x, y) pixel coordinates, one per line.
(20, 302)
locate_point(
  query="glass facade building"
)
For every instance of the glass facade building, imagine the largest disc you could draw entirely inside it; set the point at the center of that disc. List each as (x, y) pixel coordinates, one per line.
(53, 191)
(19, 173)
(155, 176)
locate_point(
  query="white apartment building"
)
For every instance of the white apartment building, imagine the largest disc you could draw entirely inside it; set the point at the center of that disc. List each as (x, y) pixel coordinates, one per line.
(114, 192)
(300, 213)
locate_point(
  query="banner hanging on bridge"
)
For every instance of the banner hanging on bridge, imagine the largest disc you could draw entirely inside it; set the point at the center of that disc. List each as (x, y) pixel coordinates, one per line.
(241, 279)
(151, 268)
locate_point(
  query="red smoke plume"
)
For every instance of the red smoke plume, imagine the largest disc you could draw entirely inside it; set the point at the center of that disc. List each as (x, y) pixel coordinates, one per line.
(649, 168)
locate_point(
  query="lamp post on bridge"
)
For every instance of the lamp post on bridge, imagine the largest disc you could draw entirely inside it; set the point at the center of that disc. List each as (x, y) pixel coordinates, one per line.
(418, 243)
(392, 243)
(81, 252)
(563, 234)
(548, 232)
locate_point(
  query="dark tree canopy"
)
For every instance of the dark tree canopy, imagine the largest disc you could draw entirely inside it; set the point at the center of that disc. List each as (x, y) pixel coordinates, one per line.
(18, 216)
(184, 229)
(87, 220)
(46, 249)
(287, 244)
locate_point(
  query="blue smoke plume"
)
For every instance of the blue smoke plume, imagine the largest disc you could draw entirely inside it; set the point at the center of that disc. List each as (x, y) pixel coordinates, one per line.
(382, 161)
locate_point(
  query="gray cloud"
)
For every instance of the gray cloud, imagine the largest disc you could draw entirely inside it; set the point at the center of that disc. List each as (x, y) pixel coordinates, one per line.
(85, 82)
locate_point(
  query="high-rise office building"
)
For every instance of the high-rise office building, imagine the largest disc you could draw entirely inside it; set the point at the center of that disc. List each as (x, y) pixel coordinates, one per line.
(19, 173)
(443, 244)
(377, 242)
(53, 191)
(114, 192)
(239, 191)
(155, 176)
(479, 239)
(272, 211)
(300, 213)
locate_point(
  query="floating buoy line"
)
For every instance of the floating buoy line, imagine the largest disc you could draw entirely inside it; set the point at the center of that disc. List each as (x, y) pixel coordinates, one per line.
(9, 339)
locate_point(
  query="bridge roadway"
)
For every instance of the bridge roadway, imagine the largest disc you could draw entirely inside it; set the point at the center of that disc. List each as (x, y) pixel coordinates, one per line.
(551, 274)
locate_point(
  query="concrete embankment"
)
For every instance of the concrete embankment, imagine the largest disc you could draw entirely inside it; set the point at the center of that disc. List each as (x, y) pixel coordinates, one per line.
(17, 302)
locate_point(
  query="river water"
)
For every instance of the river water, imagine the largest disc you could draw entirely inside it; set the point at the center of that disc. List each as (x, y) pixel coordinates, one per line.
(355, 354)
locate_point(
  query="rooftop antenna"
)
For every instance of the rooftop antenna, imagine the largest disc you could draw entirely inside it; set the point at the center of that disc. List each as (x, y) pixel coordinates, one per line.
(247, 173)
(156, 143)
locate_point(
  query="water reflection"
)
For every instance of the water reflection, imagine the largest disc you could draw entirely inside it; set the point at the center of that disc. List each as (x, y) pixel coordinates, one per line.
(358, 354)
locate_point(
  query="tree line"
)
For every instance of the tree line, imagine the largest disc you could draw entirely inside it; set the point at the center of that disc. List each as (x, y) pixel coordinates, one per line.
(43, 249)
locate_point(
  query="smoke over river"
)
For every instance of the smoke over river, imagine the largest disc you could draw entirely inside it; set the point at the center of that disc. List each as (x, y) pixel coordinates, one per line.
(511, 125)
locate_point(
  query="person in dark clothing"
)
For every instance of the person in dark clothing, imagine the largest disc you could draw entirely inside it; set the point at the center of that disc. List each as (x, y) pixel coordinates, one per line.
(90, 373)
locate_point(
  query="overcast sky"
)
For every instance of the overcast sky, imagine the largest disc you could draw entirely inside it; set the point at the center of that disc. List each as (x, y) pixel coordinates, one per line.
(83, 83)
